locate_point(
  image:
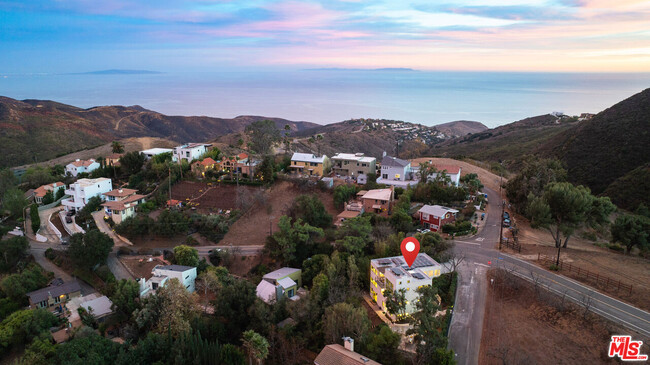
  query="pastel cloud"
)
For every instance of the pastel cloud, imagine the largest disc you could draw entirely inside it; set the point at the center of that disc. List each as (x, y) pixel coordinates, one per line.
(566, 35)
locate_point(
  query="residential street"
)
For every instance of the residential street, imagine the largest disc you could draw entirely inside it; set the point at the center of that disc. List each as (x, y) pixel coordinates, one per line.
(480, 252)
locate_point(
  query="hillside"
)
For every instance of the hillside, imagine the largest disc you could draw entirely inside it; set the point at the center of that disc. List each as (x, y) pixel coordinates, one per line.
(374, 136)
(460, 128)
(601, 153)
(37, 130)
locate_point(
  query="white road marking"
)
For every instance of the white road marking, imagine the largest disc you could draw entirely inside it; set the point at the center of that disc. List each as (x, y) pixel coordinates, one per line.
(479, 264)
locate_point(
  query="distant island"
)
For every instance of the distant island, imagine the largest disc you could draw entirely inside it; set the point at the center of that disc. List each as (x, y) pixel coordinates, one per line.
(393, 69)
(119, 72)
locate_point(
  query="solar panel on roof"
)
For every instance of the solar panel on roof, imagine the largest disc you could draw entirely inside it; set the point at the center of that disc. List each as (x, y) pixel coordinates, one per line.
(417, 275)
(397, 271)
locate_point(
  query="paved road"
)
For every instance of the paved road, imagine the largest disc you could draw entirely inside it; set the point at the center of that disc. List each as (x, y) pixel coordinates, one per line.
(467, 321)
(117, 268)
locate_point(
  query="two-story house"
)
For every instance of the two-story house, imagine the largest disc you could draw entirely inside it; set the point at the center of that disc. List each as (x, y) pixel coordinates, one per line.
(84, 189)
(80, 166)
(55, 296)
(119, 204)
(396, 172)
(379, 201)
(241, 164)
(392, 273)
(452, 172)
(309, 164)
(41, 191)
(162, 274)
(189, 151)
(280, 283)
(113, 159)
(434, 217)
(353, 164)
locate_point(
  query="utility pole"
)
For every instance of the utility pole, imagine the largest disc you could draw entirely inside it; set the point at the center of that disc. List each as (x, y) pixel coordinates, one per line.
(503, 207)
(169, 180)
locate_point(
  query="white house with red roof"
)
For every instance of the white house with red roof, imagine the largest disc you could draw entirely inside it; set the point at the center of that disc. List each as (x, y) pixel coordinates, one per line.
(39, 193)
(80, 166)
(84, 189)
(452, 171)
(119, 204)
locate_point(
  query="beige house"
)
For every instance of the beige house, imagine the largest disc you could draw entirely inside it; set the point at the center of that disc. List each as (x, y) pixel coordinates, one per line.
(120, 204)
(379, 201)
(353, 164)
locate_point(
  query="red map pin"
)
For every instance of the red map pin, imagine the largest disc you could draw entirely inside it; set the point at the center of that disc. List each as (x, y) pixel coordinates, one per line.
(410, 248)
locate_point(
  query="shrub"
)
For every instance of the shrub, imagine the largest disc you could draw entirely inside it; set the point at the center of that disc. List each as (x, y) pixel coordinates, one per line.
(36, 219)
(124, 251)
(50, 254)
(616, 247)
(554, 267)
(189, 240)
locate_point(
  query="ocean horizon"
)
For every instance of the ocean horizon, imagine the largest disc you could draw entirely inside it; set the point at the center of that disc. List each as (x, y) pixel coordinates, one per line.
(332, 95)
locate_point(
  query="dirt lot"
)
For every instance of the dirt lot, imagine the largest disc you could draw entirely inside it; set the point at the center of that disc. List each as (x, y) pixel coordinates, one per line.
(140, 266)
(522, 326)
(210, 197)
(584, 254)
(253, 227)
(488, 178)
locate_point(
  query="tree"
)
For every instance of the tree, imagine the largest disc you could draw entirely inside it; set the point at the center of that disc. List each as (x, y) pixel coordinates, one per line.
(354, 235)
(283, 243)
(169, 311)
(49, 197)
(90, 249)
(533, 177)
(343, 193)
(117, 147)
(383, 344)
(426, 169)
(266, 169)
(263, 134)
(396, 302)
(7, 180)
(14, 202)
(15, 286)
(343, 319)
(428, 328)
(36, 219)
(36, 176)
(256, 345)
(12, 251)
(186, 256)
(87, 347)
(631, 230)
(311, 210)
(563, 207)
(132, 162)
(59, 194)
(126, 297)
(22, 326)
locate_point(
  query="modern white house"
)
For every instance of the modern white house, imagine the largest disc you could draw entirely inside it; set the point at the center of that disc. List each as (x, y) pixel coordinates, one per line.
(396, 172)
(161, 274)
(392, 273)
(80, 166)
(155, 151)
(119, 204)
(189, 151)
(84, 189)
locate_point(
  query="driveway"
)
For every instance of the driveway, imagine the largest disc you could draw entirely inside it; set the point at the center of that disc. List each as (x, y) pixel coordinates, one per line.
(117, 268)
(105, 228)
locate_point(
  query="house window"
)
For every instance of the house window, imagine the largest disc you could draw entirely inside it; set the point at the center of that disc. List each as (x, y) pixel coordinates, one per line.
(290, 294)
(43, 304)
(187, 277)
(384, 176)
(425, 216)
(57, 299)
(188, 286)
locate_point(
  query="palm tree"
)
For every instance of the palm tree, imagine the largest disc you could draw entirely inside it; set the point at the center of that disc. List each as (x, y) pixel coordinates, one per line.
(287, 140)
(117, 147)
(256, 346)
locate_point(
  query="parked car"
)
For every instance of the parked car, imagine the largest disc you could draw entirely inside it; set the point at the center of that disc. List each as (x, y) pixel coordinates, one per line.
(423, 230)
(506, 222)
(482, 216)
(506, 215)
(70, 213)
(68, 219)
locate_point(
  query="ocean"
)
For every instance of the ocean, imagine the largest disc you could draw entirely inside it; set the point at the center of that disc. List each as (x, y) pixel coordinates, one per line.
(328, 96)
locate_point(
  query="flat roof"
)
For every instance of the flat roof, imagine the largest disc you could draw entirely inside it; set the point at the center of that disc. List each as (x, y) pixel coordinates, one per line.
(280, 273)
(156, 151)
(307, 157)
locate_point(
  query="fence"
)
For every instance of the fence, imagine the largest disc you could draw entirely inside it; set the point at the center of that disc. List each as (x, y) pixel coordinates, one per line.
(589, 275)
(51, 205)
(511, 244)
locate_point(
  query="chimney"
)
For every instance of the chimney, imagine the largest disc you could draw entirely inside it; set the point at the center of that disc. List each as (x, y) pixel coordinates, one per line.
(77, 160)
(348, 343)
(120, 190)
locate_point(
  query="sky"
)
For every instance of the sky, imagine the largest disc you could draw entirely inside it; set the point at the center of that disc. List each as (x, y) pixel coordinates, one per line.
(50, 36)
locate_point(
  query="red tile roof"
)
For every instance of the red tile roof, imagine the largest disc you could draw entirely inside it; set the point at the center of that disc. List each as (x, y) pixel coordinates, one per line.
(120, 193)
(208, 161)
(450, 168)
(83, 162)
(120, 205)
(43, 189)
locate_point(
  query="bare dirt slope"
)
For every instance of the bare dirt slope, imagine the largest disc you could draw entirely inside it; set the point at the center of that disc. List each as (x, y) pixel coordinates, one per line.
(254, 226)
(488, 178)
(130, 144)
(527, 326)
